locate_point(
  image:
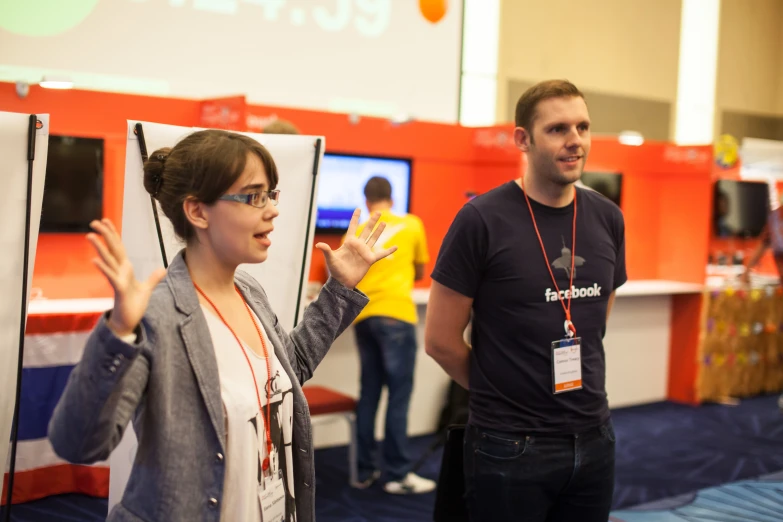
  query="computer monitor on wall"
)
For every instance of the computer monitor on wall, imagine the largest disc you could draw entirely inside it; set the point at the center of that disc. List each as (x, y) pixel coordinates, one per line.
(341, 187)
(740, 208)
(608, 184)
(73, 190)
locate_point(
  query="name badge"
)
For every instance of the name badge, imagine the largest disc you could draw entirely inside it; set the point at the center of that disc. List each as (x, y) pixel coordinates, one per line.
(567, 365)
(272, 498)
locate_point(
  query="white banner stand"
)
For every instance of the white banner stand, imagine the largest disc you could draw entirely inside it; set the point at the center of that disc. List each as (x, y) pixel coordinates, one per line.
(24, 142)
(283, 275)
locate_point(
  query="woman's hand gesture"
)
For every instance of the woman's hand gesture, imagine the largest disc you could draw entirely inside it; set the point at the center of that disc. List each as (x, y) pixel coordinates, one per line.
(349, 263)
(130, 296)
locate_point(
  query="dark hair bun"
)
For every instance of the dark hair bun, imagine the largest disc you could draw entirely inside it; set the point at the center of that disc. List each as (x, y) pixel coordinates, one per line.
(154, 169)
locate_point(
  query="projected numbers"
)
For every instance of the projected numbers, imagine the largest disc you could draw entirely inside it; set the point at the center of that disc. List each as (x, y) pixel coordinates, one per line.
(217, 6)
(271, 8)
(333, 20)
(368, 17)
(372, 18)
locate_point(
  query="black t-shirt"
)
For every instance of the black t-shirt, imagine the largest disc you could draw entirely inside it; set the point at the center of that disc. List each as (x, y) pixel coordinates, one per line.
(491, 253)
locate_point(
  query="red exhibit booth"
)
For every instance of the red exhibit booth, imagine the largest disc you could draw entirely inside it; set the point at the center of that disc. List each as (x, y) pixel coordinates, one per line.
(666, 200)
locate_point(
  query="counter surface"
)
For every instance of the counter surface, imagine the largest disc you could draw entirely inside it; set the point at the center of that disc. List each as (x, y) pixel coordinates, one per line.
(637, 288)
(420, 296)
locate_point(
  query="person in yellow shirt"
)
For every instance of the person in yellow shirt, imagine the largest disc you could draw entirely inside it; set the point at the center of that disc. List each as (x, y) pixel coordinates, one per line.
(386, 337)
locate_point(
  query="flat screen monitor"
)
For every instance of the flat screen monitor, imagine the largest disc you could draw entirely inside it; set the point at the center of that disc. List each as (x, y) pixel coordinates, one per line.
(740, 208)
(73, 190)
(341, 188)
(609, 184)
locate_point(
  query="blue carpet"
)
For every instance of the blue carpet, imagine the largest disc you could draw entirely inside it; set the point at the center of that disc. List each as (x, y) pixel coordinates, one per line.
(336, 501)
(667, 449)
(664, 451)
(745, 501)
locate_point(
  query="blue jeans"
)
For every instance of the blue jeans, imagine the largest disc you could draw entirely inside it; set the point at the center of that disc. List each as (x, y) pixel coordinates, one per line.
(387, 350)
(539, 478)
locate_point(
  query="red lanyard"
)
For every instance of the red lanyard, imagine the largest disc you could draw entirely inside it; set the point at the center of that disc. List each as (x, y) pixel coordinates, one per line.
(267, 424)
(569, 325)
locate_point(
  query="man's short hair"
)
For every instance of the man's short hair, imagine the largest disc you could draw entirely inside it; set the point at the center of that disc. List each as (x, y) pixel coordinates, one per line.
(528, 102)
(280, 127)
(377, 189)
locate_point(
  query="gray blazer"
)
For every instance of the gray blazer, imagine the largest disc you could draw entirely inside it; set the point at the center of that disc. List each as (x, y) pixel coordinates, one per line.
(168, 383)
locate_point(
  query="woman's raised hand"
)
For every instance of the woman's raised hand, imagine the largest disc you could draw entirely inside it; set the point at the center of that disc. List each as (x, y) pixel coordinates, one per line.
(130, 296)
(350, 263)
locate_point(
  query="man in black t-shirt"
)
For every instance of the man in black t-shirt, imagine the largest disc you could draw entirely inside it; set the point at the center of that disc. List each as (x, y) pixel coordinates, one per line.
(537, 261)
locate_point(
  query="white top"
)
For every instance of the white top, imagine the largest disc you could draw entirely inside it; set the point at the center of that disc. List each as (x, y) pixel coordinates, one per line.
(245, 433)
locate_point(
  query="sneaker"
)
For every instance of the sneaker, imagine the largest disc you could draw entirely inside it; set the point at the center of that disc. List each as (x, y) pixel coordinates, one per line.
(367, 482)
(411, 484)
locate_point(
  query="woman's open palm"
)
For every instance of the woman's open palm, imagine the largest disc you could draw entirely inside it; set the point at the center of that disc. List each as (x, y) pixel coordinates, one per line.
(350, 263)
(130, 296)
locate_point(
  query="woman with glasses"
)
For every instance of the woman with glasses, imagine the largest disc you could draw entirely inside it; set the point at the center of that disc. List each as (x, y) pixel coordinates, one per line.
(194, 356)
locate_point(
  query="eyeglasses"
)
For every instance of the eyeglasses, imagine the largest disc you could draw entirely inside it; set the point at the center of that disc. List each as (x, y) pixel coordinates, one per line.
(255, 199)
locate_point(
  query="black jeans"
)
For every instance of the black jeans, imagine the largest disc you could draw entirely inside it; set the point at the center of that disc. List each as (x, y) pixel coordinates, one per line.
(539, 478)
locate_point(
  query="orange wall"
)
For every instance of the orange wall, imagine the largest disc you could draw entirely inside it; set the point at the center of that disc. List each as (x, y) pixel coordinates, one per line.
(666, 195)
(62, 266)
(666, 201)
(442, 167)
(684, 348)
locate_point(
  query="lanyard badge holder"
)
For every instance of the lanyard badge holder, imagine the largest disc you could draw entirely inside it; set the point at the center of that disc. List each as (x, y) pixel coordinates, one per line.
(271, 492)
(567, 361)
(272, 498)
(566, 352)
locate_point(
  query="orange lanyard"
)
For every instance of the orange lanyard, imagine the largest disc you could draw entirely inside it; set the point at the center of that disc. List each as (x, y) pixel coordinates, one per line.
(569, 326)
(265, 464)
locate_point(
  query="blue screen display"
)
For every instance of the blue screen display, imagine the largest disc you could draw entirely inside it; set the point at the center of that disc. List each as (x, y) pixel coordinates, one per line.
(341, 187)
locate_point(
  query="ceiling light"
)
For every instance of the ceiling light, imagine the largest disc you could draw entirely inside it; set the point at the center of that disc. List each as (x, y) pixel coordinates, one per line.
(630, 138)
(56, 82)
